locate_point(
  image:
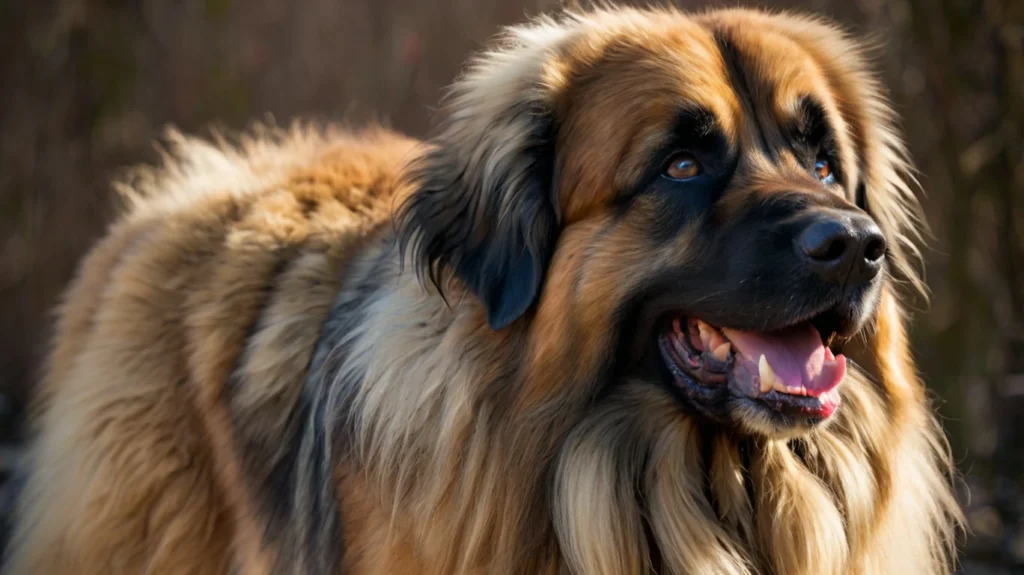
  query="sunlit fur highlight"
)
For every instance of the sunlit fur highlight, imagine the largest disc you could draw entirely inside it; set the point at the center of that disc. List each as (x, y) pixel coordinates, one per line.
(431, 443)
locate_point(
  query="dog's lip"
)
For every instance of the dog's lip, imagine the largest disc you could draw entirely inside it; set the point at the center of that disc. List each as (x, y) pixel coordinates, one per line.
(838, 315)
(714, 368)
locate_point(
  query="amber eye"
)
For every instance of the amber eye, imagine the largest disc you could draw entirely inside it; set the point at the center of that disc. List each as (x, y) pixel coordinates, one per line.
(682, 166)
(823, 169)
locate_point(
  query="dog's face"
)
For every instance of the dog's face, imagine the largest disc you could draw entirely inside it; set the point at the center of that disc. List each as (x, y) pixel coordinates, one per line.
(700, 197)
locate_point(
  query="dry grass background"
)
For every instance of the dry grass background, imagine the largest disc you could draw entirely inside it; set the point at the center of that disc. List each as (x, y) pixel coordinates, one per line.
(86, 86)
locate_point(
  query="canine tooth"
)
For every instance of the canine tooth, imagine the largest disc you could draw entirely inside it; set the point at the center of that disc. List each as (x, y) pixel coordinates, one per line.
(768, 377)
(706, 332)
(721, 352)
(783, 388)
(676, 327)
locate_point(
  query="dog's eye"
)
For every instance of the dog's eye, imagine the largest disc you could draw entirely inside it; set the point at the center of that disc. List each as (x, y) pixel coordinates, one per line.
(682, 166)
(823, 169)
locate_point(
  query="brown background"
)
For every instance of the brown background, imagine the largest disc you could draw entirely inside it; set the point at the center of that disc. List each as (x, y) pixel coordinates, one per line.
(87, 85)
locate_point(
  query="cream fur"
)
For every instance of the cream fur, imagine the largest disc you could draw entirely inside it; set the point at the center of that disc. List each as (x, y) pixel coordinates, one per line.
(250, 326)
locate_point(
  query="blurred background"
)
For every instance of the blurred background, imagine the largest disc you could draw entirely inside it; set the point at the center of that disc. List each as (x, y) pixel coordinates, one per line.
(88, 85)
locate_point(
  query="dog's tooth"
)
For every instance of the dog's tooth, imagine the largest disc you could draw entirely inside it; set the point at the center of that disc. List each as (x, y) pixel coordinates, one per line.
(767, 376)
(713, 338)
(721, 352)
(717, 339)
(783, 388)
(676, 327)
(706, 334)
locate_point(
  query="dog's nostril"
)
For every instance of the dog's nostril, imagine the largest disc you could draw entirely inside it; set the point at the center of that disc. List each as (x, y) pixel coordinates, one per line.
(843, 249)
(825, 241)
(874, 248)
(834, 248)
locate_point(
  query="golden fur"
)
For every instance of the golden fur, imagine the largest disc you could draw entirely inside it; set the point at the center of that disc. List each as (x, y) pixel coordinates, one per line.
(248, 374)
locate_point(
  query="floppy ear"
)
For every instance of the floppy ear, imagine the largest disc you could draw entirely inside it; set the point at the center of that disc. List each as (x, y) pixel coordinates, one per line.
(885, 190)
(887, 193)
(483, 206)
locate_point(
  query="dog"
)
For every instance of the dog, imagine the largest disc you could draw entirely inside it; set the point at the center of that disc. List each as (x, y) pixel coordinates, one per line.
(636, 306)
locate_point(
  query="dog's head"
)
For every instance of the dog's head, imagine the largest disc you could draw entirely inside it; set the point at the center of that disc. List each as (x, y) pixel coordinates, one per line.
(710, 204)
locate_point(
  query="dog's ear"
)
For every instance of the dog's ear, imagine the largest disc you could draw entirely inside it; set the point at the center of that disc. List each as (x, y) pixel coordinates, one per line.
(885, 188)
(886, 193)
(484, 203)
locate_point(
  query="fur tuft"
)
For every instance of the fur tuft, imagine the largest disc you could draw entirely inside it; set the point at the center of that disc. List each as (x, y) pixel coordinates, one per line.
(245, 378)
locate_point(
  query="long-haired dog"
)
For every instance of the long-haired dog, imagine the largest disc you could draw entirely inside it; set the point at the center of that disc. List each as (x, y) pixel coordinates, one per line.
(632, 309)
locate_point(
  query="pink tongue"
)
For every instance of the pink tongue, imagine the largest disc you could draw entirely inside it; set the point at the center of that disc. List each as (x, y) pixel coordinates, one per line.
(795, 354)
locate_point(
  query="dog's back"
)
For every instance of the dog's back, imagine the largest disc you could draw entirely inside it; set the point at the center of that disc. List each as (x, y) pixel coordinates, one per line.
(226, 262)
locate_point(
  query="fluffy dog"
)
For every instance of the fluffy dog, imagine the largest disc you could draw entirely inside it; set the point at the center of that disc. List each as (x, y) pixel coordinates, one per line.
(631, 309)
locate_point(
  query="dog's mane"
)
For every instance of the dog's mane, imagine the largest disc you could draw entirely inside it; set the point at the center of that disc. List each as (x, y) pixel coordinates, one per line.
(632, 486)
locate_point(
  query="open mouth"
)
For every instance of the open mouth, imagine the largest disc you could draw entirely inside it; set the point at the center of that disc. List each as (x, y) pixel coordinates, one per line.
(791, 371)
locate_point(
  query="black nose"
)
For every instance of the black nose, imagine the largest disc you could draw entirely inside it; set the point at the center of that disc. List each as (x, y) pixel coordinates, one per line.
(842, 248)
